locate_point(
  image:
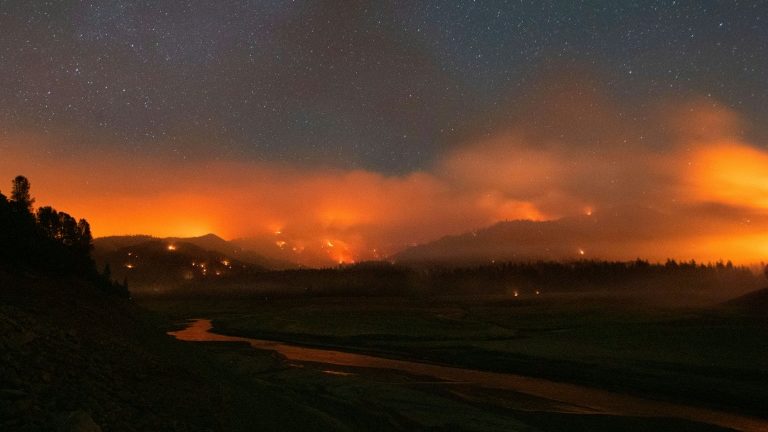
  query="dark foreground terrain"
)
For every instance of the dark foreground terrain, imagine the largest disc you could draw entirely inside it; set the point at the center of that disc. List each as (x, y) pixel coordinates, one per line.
(73, 358)
(706, 357)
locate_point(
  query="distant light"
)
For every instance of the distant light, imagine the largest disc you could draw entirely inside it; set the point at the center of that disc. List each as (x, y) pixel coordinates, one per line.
(171, 247)
(280, 244)
(588, 211)
(581, 251)
(537, 292)
(129, 266)
(225, 262)
(278, 232)
(515, 293)
(329, 243)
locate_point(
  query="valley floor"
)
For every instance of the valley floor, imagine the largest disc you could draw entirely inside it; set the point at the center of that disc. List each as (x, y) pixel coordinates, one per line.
(73, 358)
(712, 358)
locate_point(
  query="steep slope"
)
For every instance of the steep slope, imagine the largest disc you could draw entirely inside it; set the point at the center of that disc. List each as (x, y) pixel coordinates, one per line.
(209, 242)
(74, 358)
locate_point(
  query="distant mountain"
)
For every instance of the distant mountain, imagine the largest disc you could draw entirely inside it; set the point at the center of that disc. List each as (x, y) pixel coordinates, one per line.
(112, 243)
(163, 264)
(209, 242)
(596, 236)
(282, 249)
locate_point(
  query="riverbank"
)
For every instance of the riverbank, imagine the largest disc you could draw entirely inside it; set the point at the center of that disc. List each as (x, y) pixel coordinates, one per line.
(565, 398)
(75, 359)
(709, 358)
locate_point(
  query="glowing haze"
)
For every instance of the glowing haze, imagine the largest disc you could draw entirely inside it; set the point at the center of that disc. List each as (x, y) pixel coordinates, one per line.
(338, 131)
(561, 155)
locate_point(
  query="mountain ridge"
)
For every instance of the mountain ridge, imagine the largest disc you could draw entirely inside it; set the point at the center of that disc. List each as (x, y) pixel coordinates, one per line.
(210, 242)
(598, 235)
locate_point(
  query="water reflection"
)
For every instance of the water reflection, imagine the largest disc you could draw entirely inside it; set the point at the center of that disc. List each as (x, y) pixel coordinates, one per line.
(580, 398)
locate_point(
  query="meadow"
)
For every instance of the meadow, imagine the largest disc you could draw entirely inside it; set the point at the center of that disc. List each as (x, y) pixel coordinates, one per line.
(707, 356)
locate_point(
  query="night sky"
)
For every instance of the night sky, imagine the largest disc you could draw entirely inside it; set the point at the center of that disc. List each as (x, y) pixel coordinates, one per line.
(377, 85)
(395, 97)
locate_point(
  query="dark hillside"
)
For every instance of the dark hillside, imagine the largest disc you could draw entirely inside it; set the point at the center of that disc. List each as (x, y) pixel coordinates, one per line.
(755, 302)
(160, 265)
(74, 356)
(106, 247)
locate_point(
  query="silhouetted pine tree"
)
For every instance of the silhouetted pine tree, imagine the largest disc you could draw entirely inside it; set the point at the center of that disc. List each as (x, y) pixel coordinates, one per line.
(46, 240)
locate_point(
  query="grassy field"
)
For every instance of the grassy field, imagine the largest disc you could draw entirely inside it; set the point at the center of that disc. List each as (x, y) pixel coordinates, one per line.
(710, 357)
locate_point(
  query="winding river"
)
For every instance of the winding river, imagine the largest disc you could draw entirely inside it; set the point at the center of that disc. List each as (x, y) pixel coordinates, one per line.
(586, 399)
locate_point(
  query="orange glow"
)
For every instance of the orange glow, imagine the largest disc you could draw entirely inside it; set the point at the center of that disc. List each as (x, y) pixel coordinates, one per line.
(707, 187)
(732, 173)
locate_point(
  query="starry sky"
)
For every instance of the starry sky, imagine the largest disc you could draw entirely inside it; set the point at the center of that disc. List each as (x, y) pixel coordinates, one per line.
(403, 97)
(378, 85)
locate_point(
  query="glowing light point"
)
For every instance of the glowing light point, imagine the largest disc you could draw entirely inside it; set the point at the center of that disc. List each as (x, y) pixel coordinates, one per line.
(581, 251)
(129, 266)
(171, 247)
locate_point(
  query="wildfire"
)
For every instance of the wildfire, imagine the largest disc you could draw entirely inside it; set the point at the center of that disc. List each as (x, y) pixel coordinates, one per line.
(732, 173)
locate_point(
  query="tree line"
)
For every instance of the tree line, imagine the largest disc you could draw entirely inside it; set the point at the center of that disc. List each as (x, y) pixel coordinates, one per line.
(590, 275)
(46, 240)
(526, 279)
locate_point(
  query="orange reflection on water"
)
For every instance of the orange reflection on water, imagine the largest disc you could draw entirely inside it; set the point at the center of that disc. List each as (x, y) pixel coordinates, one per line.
(580, 398)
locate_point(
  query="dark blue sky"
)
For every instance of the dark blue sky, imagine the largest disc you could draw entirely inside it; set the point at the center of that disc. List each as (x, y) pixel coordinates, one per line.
(380, 85)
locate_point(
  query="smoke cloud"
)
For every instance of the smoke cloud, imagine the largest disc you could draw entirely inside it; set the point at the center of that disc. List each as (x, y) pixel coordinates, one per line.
(678, 180)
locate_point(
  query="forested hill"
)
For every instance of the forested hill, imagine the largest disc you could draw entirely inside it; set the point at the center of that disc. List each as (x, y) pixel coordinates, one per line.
(46, 241)
(74, 356)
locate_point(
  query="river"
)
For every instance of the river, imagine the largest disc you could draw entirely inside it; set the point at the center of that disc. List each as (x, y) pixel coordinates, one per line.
(588, 399)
